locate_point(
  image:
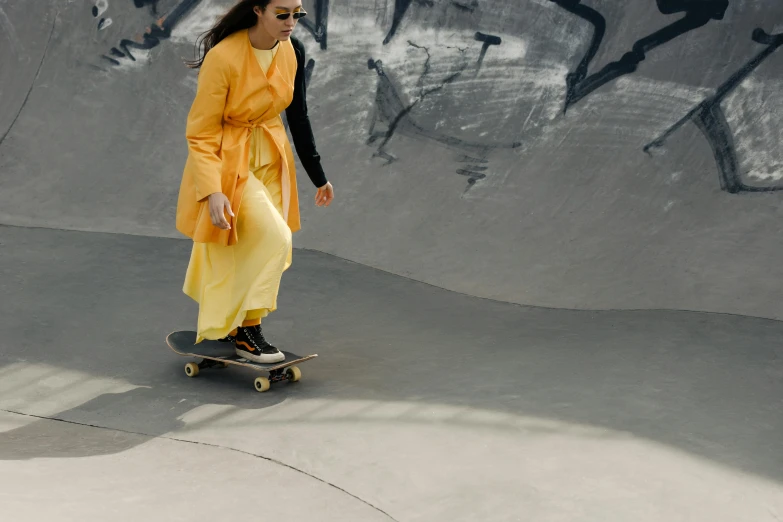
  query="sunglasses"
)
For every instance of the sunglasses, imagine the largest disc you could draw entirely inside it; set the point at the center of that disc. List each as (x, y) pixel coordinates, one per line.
(297, 15)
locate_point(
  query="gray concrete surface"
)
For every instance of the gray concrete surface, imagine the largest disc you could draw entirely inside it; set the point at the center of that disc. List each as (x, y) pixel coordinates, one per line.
(580, 391)
(565, 210)
(424, 404)
(154, 479)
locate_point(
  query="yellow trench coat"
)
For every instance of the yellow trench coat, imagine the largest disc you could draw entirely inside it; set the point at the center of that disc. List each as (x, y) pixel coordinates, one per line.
(234, 96)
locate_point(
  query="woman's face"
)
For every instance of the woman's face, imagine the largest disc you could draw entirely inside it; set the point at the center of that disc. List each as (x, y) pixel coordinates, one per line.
(278, 17)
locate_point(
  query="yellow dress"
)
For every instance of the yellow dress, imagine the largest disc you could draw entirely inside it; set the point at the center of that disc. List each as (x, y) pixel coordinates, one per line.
(237, 285)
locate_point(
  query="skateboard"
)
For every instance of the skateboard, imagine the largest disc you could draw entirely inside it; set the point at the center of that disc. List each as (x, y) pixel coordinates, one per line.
(218, 354)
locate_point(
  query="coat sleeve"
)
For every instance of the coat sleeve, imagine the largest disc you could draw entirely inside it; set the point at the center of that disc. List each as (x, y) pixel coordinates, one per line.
(299, 123)
(204, 130)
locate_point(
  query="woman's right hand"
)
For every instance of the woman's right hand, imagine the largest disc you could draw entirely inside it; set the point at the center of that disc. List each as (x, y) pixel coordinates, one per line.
(218, 203)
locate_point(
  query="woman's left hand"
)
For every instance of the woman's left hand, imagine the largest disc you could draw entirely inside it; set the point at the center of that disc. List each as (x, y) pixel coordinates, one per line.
(325, 195)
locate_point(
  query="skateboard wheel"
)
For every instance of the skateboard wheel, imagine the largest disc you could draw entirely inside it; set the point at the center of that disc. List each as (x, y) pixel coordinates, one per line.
(262, 384)
(293, 374)
(191, 369)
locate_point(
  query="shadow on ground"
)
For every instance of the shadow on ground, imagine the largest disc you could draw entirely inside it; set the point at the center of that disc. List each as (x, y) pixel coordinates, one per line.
(99, 306)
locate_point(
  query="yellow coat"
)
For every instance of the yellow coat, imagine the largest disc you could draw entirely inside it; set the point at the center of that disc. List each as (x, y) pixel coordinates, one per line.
(233, 98)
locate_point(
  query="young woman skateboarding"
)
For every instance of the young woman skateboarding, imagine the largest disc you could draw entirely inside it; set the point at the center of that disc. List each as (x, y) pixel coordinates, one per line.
(238, 197)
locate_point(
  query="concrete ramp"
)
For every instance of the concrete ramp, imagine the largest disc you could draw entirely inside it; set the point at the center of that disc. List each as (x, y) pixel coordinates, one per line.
(559, 153)
(600, 154)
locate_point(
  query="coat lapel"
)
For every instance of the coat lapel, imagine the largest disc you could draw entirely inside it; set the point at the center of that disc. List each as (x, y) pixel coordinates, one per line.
(281, 74)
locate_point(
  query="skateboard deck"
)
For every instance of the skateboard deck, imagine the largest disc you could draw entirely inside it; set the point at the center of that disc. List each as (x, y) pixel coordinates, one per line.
(217, 354)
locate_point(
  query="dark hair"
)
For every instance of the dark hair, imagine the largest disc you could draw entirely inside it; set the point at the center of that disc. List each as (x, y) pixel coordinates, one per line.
(241, 16)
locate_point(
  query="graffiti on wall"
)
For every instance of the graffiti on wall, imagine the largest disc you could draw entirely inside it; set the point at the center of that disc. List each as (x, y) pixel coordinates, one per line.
(400, 110)
(158, 30)
(400, 10)
(696, 14)
(317, 21)
(708, 116)
(710, 119)
(152, 4)
(100, 7)
(392, 115)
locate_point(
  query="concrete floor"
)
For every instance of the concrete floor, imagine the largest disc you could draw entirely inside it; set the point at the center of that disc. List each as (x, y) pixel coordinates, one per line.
(424, 405)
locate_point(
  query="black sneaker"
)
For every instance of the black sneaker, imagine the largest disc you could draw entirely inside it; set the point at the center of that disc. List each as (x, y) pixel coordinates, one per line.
(251, 345)
(227, 339)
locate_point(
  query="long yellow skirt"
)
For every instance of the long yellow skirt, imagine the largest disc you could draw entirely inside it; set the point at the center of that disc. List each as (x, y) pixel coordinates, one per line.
(239, 283)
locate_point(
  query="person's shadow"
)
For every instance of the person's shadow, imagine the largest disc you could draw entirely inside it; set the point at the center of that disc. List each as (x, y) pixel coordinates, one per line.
(73, 433)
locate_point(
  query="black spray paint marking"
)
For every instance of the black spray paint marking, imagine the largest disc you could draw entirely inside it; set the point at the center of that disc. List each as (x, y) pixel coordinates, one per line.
(489, 41)
(320, 28)
(309, 71)
(427, 68)
(395, 113)
(399, 109)
(697, 14)
(390, 106)
(115, 52)
(152, 3)
(708, 116)
(154, 33)
(400, 10)
(470, 8)
(474, 172)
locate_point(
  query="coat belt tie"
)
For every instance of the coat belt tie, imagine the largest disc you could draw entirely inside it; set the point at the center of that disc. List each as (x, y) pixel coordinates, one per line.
(256, 128)
(261, 126)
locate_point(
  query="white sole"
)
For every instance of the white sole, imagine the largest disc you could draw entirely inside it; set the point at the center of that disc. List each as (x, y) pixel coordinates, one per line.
(261, 358)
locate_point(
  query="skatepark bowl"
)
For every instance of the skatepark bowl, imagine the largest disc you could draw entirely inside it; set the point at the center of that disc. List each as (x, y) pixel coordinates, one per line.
(548, 288)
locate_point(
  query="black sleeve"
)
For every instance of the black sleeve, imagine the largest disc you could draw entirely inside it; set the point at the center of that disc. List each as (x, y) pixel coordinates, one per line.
(299, 123)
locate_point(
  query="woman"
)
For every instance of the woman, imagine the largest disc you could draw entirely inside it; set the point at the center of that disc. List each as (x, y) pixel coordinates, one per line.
(238, 197)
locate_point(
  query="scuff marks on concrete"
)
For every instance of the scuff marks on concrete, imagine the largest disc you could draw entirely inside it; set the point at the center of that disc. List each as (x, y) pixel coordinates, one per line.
(35, 78)
(9, 31)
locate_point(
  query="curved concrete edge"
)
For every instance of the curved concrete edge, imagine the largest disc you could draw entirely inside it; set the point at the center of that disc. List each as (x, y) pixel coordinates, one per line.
(155, 478)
